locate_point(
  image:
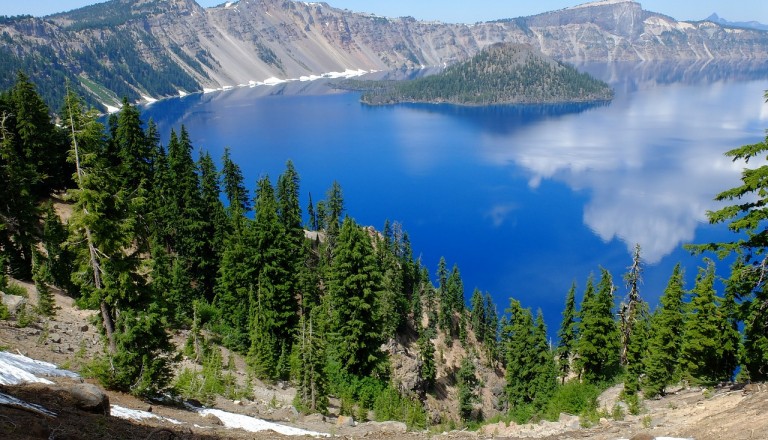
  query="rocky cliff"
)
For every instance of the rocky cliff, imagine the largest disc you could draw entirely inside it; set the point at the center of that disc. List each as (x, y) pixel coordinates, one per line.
(156, 48)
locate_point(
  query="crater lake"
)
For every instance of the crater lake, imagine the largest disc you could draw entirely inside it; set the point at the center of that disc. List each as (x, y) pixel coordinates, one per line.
(524, 199)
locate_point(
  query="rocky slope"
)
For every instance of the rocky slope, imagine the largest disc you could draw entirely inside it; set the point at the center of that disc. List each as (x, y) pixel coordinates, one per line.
(156, 48)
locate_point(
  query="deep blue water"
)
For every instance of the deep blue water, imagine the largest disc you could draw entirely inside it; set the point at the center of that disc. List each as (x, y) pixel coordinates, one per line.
(525, 199)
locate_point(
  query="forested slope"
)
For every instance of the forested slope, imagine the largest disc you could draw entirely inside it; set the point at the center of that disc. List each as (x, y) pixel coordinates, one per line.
(308, 295)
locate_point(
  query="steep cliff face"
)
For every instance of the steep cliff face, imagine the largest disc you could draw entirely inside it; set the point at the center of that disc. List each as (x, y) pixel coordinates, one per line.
(154, 47)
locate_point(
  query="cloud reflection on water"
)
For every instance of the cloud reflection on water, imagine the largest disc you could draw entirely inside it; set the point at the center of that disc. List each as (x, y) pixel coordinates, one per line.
(651, 162)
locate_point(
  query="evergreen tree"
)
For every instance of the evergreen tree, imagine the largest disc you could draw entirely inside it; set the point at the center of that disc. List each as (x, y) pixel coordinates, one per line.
(311, 393)
(636, 355)
(427, 367)
(491, 331)
(273, 314)
(214, 225)
(705, 355)
(60, 258)
(545, 371)
(567, 335)
(628, 309)
(531, 371)
(467, 383)
(599, 343)
(109, 276)
(747, 216)
(444, 302)
(312, 217)
(354, 283)
(46, 305)
(661, 366)
(234, 188)
(478, 315)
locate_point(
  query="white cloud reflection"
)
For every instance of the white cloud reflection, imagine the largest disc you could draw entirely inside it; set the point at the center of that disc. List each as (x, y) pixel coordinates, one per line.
(651, 162)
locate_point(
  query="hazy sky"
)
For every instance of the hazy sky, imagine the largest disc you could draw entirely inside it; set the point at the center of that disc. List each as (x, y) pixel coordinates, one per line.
(462, 11)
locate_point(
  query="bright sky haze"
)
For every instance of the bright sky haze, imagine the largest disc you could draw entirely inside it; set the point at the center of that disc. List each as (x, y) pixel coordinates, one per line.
(461, 11)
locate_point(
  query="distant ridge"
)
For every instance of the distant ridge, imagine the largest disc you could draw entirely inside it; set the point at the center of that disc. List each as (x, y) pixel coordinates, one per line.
(714, 18)
(149, 49)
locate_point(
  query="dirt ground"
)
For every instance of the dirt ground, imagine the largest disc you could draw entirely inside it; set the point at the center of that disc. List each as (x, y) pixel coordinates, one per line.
(70, 340)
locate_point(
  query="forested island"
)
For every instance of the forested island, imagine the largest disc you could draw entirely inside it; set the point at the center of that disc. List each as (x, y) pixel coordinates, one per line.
(137, 231)
(503, 73)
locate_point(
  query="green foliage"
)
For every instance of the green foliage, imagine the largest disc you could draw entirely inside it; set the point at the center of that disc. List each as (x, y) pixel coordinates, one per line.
(391, 405)
(213, 379)
(747, 218)
(531, 372)
(501, 73)
(467, 383)
(661, 365)
(142, 364)
(308, 369)
(427, 367)
(598, 346)
(16, 290)
(41, 275)
(707, 356)
(355, 331)
(567, 335)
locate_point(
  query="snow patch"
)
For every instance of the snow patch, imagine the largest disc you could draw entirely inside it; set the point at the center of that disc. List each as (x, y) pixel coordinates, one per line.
(16, 369)
(12, 401)
(251, 424)
(111, 109)
(207, 90)
(182, 93)
(149, 99)
(137, 415)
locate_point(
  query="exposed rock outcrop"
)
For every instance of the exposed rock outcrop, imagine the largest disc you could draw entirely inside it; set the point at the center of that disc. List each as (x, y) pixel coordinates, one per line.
(187, 47)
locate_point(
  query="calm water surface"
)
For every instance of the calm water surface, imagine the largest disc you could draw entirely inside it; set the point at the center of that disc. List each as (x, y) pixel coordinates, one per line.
(525, 199)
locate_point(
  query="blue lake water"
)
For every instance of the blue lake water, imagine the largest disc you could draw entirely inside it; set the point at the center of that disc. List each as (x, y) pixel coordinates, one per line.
(525, 199)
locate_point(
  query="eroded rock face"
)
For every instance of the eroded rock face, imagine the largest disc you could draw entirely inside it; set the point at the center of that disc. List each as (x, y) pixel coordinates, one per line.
(253, 40)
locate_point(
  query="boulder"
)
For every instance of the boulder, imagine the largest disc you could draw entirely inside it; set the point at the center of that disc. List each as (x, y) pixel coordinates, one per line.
(13, 303)
(642, 436)
(347, 421)
(88, 397)
(213, 420)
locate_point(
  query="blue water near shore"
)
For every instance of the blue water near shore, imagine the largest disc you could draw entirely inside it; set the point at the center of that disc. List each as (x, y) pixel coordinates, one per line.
(525, 199)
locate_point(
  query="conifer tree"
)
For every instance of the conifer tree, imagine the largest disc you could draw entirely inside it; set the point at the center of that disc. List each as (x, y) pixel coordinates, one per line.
(636, 355)
(478, 315)
(599, 343)
(354, 283)
(234, 188)
(662, 363)
(567, 335)
(311, 215)
(491, 331)
(705, 354)
(109, 275)
(42, 277)
(747, 216)
(311, 393)
(628, 309)
(273, 307)
(59, 257)
(545, 371)
(427, 367)
(214, 224)
(467, 382)
(520, 349)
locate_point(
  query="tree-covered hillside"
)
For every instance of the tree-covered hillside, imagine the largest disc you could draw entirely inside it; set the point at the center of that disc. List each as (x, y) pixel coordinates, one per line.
(503, 73)
(308, 295)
